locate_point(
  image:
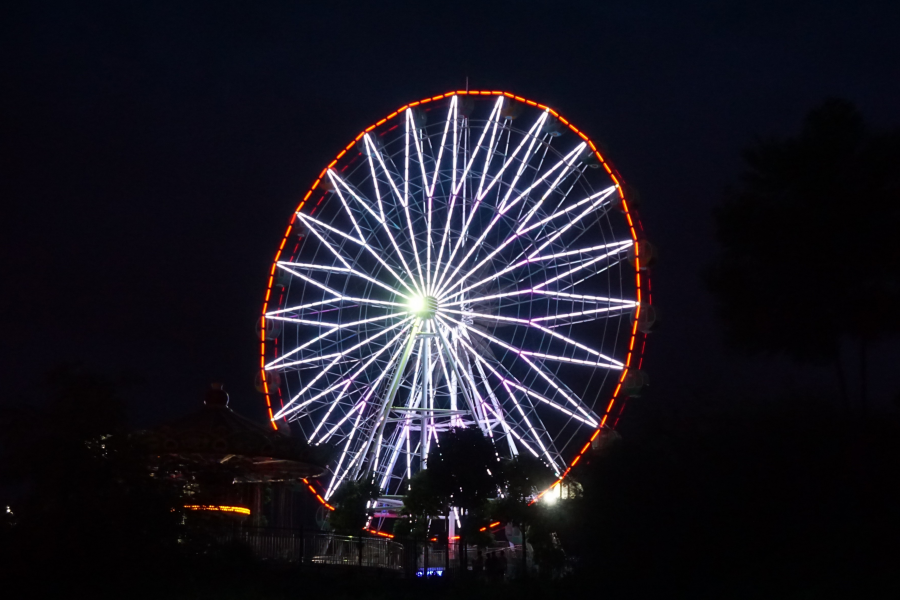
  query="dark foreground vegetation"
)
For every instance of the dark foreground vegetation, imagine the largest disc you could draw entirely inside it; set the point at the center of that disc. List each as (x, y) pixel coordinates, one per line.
(793, 502)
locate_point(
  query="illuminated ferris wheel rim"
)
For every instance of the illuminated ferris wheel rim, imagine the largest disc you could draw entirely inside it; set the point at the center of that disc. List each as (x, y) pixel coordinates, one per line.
(426, 295)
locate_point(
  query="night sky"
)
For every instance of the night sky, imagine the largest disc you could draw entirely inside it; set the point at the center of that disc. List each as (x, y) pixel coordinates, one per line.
(152, 154)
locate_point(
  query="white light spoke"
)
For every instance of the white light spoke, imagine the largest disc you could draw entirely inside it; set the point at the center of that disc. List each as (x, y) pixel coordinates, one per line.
(580, 267)
(428, 201)
(335, 177)
(588, 416)
(462, 236)
(533, 324)
(524, 416)
(559, 179)
(504, 209)
(359, 405)
(523, 442)
(582, 313)
(370, 151)
(331, 406)
(528, 137)
(552, 463)
(524, 357)
(372, 251)
(451, 116)
(594, 200)
(336, 480)
(337, 326)
(348, 270)
(368, 394)
(530, 260)
(478, 147)
(337, 188)
(278, 362)
(328, 368)
(542, 355)
(412, 233)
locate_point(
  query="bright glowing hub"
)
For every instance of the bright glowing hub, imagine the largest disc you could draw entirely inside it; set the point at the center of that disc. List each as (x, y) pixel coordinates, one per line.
(424, 307)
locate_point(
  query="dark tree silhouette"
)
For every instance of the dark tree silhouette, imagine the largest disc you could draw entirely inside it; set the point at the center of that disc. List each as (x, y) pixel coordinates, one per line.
(522, 478)
(85, 500)
(808, 249)
(463, 463)
(350, 510)
(463, 472)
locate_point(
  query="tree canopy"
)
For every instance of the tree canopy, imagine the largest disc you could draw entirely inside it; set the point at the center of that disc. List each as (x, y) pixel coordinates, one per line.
(807, 235)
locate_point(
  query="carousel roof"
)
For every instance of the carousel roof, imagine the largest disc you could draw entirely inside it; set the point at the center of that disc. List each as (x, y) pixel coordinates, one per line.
(217, 437)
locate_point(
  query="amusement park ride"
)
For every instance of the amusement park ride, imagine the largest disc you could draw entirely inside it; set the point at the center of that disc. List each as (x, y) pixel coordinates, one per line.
(469, 260)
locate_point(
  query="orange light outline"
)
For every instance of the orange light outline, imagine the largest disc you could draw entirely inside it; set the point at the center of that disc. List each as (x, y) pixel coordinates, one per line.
(214, 508)
(628, 216)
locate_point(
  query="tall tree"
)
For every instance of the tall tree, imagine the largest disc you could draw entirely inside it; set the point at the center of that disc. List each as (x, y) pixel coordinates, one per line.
(808, 252)
(523, 478)
(462, 472)
(352, 505)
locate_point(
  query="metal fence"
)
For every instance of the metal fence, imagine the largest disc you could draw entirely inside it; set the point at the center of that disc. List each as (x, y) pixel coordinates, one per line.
(455, 560)
(318, 548)
(412, 558)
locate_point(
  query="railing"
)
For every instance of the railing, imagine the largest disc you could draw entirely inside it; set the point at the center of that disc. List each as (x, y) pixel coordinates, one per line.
(455, 560)
(411, 557)
(318, 548)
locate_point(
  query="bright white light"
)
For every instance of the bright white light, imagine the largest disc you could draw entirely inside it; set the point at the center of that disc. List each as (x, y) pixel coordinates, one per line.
(551, 496)
(417, 304)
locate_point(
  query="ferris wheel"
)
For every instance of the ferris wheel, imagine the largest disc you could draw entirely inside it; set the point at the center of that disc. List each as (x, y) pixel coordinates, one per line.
(469, 260)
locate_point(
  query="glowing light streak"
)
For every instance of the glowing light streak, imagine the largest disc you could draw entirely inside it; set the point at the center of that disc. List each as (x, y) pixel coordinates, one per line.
(336, 481)
(534, 367)
(531, 323)
(368, 394)
(383, 220)
(214, 508)
(325, 370)
(527, 261)
(337, 189)
(471, 395)
(520, 352)
(559, 178)
(597, 200)
(375, 254)
(580, 267)
(334, 328)
(590, 420)
(502, 211)
(528, 137)
(331, 408)
(462, 180)
(428, 200)
(337, 178)
(522, 441)
(412, 234)
(349, 270)
(537, 438)
(478, 147)
(451, 115)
